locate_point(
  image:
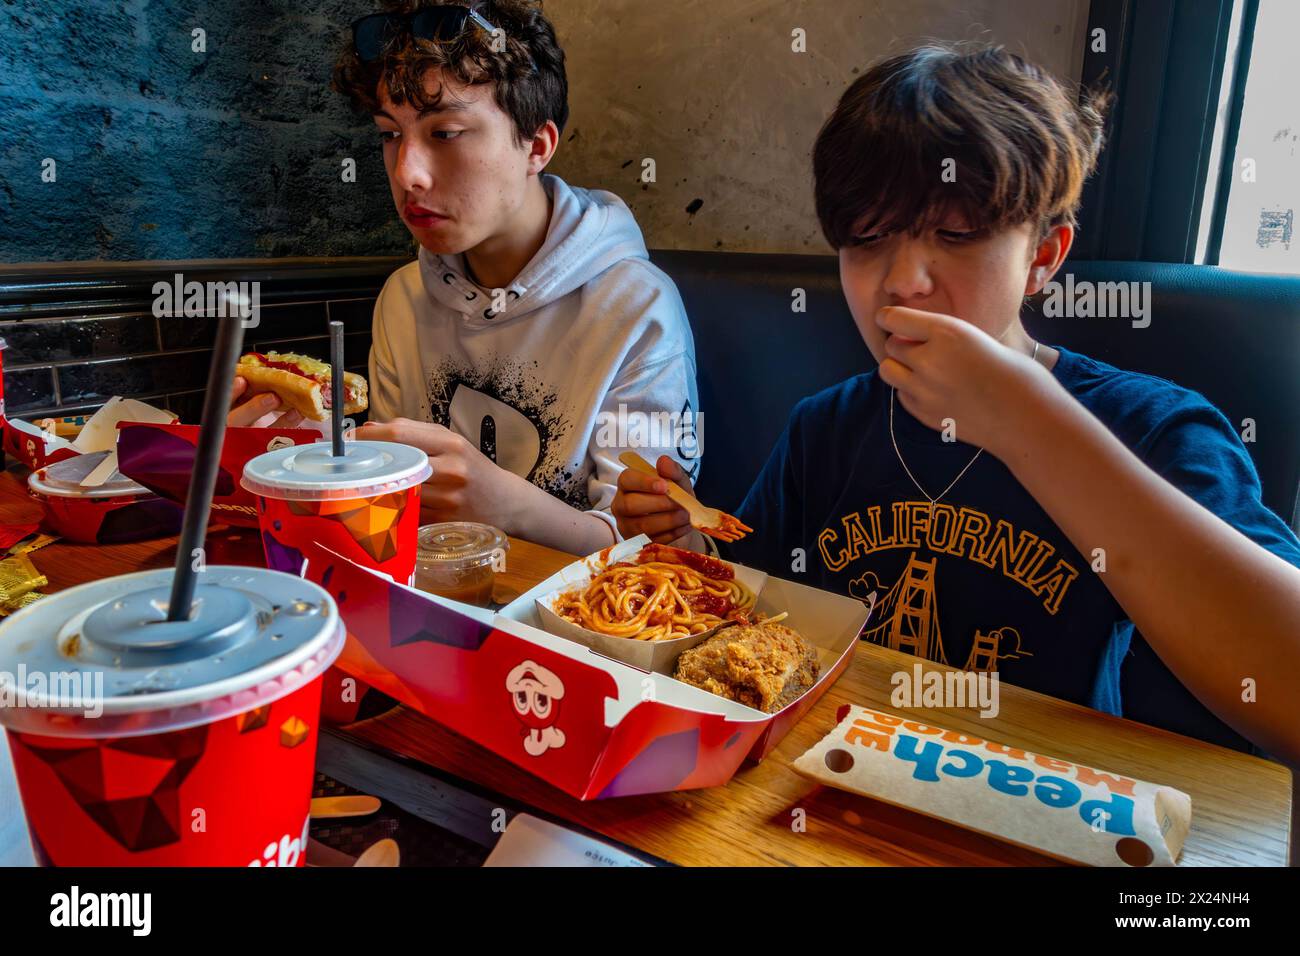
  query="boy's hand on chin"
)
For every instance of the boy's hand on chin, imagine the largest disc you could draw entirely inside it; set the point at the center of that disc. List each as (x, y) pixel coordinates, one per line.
(945, 368)
(465, 485)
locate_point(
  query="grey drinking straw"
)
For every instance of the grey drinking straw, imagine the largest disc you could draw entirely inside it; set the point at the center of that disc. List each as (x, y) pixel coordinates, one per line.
(203, 480)
(336, 386)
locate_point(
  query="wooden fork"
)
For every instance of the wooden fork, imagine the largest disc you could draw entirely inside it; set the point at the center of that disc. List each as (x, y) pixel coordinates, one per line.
(325, 808)
(714, 523)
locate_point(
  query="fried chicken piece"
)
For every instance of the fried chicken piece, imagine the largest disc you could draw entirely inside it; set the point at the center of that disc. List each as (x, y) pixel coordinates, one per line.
(764, 666)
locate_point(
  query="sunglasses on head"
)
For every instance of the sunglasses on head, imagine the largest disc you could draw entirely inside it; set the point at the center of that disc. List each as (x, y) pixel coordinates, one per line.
(372, 34)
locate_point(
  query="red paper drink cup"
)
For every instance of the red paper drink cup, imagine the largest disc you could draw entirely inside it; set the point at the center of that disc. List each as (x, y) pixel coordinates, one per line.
(364, 505)
(139, 741)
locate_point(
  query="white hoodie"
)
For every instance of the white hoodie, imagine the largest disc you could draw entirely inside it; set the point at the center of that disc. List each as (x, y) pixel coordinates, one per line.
(590, 353)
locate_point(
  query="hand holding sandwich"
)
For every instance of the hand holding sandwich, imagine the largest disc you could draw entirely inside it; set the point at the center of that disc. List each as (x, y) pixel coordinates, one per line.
(259, 410)
(297, 382)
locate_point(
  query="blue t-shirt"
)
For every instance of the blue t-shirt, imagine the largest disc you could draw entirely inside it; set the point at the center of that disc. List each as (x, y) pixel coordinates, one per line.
(986, 580)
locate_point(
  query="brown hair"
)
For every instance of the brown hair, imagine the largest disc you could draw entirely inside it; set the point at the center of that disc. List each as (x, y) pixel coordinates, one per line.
(1022, 146)
(529, 83)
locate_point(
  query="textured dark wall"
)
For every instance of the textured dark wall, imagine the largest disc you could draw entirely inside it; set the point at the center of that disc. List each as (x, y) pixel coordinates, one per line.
(165, 153)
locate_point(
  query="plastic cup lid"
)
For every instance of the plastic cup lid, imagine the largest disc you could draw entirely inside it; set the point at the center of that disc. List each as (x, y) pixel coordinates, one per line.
(253, 635)
(312, 472)
(463, 543)
(63, 479)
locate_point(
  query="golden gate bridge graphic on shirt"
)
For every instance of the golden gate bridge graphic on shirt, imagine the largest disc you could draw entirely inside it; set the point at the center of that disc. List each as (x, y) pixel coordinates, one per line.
(909, 622)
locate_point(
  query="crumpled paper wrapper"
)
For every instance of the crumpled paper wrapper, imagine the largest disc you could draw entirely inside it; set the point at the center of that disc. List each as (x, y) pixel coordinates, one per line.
(1055, 806)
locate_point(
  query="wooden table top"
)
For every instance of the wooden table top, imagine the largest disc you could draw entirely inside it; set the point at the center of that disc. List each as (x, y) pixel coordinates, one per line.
(1241, 805)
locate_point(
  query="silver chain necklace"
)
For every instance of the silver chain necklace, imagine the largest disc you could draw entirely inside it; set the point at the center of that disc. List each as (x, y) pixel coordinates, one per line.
(894, 441)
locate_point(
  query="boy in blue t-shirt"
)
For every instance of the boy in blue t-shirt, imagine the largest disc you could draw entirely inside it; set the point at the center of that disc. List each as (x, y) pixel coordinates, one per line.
(1014, 507)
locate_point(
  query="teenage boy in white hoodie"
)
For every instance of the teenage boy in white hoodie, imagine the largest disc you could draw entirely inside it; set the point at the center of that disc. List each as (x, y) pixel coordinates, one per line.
(532, 340)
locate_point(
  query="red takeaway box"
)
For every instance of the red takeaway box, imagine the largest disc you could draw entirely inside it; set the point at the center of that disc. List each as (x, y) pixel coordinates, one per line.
(36, 447)
(593, 726)
(161, 457)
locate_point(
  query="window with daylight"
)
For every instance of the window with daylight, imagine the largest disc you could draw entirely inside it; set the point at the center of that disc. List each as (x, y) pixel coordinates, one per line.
(1249, 218)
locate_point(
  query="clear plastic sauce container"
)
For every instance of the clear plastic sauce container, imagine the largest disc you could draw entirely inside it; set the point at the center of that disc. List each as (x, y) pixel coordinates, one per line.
(459, 560)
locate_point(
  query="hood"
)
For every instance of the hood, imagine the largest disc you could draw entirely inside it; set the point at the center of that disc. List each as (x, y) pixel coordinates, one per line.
(590, 230)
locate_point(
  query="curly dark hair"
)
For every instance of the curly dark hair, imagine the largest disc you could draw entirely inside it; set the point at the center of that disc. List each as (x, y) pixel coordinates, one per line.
(529, 83)
(1022, 141)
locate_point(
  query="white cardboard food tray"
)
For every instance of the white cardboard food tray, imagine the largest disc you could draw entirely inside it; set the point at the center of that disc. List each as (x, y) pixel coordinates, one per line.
(830, 622)
(657, 656)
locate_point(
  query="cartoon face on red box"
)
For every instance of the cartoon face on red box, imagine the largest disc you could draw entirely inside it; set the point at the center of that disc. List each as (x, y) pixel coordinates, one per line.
(536, 693)
(231, 793)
